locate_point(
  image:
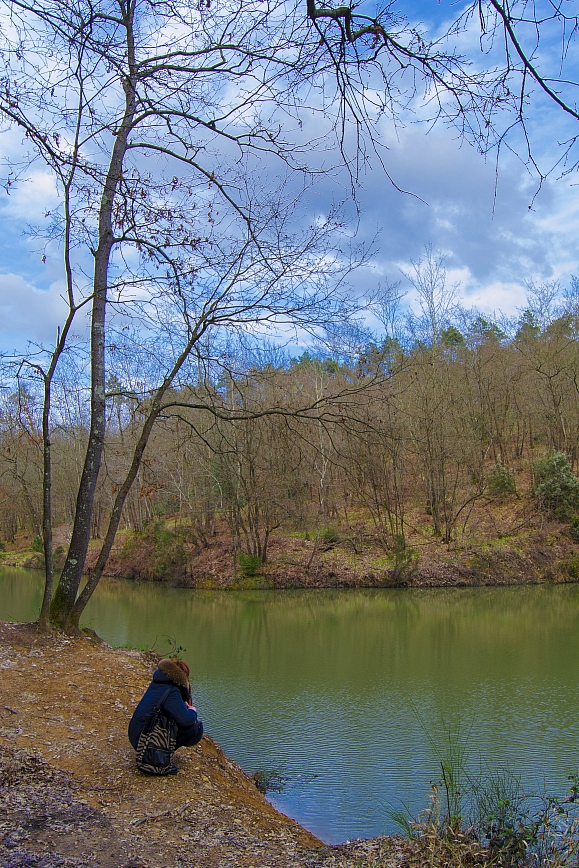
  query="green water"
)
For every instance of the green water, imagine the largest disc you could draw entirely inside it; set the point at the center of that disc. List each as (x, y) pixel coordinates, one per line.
(329, 685)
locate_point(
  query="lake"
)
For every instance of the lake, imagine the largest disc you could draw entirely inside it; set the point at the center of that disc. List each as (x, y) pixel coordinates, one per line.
(346, 693)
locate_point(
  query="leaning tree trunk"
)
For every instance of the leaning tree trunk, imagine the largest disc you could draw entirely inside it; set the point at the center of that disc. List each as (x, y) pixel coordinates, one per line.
(95, 576)
(44, 618)
(78, 606)
(67, 590)
(70, 579)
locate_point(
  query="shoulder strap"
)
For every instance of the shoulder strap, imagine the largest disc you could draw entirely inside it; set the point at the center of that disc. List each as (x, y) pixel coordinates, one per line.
(162, 702)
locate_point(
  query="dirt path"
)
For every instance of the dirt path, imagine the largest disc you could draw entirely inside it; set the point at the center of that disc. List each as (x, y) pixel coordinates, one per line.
(71, 796)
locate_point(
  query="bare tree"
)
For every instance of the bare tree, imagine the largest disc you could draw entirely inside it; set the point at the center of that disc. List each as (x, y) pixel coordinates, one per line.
(542, 301)
(527, 49)
(149, 135)
(20, 450)
(537, 42)
(437, 300)
(384, 303)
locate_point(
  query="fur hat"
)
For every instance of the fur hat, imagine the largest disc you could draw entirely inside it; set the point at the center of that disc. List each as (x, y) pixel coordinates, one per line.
(176, 670)
(184, 666)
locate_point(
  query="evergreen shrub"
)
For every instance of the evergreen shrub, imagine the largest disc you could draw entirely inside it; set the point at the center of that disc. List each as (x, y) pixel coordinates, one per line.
(556, 485)
(500, 481)
(405, 561)
(329, 535)
(249, 564)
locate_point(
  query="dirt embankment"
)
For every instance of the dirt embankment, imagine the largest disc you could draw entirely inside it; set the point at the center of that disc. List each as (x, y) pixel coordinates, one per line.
(542, 552)
(71, 795)
(506, 543)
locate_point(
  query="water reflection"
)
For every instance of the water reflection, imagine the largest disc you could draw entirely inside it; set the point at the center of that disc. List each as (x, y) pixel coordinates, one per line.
(327, 683)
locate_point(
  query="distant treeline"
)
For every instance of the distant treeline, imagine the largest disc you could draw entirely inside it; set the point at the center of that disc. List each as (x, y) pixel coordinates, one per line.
(438, 422)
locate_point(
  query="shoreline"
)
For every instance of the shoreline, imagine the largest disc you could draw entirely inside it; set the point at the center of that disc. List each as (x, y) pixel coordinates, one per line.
(72, 796)
(545, 556)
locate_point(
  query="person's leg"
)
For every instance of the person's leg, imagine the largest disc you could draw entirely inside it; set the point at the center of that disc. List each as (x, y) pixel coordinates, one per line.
(189, 735)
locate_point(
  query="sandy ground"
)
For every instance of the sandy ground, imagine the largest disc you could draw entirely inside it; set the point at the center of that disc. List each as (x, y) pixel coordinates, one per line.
(70, 794)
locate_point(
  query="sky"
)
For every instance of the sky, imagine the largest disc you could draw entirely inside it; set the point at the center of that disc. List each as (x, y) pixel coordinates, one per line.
(491, 245)
(494, 229)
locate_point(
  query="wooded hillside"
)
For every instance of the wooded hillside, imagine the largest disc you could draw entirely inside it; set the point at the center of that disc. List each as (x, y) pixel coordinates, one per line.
(412, 442)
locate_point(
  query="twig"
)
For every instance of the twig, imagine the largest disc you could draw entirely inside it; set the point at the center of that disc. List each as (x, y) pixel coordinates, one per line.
(162, 814)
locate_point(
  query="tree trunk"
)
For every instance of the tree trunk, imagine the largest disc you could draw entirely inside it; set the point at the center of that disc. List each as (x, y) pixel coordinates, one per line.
(44, 619)
(77, 608)
(66, 593)
(70, 579)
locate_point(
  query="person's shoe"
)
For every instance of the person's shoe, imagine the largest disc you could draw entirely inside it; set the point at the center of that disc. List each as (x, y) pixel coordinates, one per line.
(173, 771)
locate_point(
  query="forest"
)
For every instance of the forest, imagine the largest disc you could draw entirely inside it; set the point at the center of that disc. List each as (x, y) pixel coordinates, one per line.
(448, 434)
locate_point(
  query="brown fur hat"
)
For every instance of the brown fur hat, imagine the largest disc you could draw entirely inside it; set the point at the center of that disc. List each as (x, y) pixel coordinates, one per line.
(184, 666)
(175, 672)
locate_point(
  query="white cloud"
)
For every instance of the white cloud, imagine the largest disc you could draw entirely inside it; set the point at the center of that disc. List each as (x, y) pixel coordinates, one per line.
(27, 312)
(509, 298)
(30, 199)
(492, 245)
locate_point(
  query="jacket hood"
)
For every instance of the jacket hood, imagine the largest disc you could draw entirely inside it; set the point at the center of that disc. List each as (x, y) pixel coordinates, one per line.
(174, 672)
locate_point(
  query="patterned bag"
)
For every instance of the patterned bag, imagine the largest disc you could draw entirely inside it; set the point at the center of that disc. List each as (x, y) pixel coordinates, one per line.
(157, 741)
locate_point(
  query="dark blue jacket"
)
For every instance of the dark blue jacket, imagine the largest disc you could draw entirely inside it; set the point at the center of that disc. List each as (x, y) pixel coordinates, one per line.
(164, 677)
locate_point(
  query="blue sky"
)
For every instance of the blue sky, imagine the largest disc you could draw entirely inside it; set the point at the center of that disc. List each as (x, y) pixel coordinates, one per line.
(492, 244)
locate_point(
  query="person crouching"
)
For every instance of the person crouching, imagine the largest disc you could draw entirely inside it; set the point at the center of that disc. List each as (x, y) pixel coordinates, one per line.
(172, 674)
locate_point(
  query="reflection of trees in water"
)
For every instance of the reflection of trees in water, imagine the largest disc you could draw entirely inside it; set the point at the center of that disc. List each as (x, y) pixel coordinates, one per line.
(355, 636)
(20, 594)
